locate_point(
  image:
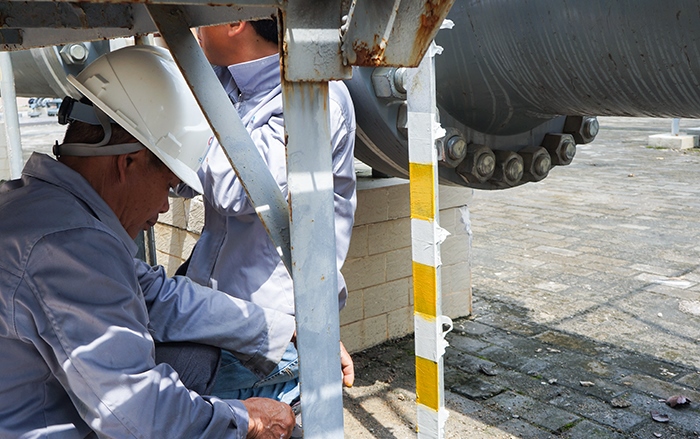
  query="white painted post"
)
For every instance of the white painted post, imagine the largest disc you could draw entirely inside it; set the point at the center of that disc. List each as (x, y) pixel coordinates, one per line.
(11, 117)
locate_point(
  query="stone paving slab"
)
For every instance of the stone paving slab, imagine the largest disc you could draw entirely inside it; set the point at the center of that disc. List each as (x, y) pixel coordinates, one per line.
(592, 275)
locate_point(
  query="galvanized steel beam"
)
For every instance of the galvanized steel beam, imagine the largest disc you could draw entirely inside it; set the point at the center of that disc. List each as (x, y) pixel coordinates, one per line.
(262, 190)
(308, 61)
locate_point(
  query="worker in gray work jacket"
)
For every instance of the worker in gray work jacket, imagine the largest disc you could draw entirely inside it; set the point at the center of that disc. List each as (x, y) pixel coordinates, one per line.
(79, 316)
(234, 253)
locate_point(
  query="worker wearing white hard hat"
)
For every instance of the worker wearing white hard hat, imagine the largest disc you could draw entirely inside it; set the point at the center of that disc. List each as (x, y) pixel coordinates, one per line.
(80, 317)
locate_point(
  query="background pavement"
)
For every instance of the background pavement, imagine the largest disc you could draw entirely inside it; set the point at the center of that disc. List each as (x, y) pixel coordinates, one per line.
(586, 306)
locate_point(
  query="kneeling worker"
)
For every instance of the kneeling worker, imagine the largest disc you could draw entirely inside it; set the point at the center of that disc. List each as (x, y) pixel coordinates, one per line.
(79, 316)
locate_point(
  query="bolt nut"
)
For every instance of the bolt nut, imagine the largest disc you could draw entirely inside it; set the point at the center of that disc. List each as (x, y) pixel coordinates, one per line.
(384, 82)
(478, 165)
(561, 147)
(451, 148)
(509, 169)
(583, 128)
(537, 163)
(76, 53)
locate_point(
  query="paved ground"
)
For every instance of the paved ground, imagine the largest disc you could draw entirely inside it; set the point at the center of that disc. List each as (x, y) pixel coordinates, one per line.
(586, 306)
(590, 276)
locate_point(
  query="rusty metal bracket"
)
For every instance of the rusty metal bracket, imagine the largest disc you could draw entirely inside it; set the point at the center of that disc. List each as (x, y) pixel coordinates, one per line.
(398, 33)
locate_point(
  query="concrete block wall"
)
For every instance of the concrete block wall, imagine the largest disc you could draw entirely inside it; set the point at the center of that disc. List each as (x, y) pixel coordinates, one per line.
(378, 267)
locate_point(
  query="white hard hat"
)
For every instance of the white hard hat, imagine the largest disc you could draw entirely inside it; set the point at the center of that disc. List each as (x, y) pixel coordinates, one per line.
(142, 90)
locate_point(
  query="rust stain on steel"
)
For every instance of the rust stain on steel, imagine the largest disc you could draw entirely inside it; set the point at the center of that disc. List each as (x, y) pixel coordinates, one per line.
(369, 56)
(434, 13)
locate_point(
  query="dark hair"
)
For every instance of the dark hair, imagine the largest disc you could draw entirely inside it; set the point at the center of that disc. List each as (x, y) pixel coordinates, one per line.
(81, 132)
(267, 29)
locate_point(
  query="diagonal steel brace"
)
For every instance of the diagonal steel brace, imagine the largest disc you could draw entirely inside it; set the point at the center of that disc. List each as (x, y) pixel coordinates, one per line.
(262, 190)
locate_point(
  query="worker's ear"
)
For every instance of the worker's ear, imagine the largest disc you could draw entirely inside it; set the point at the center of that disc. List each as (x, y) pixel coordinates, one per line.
(128, 163)
(236, 28)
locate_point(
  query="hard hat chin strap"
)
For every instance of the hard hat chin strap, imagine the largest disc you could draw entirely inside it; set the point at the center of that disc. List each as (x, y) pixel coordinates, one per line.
(72, 110)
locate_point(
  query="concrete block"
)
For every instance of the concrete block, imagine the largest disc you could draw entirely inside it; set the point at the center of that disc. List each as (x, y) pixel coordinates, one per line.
(364, 334)
(399, 264)
(195, 216)
(371, 206)
(400, 322)
(358, 243)
(668, 140)
(364, 272)
(177, 214)
(385, 298)
(399, 200)
(389, 235)
(454, 196)
(354, 308)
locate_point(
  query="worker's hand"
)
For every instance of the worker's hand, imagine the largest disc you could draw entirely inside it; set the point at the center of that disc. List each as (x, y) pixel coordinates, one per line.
(268, 419)
(347, 367)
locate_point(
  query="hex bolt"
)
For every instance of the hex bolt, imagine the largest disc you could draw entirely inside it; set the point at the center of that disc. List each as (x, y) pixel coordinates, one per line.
(400, 79)
(456, 147)
(478, 165)
(536, 162)
(509, 168)
(76, 53)
(591, 127)
(384, 83)
(583, 128)
(561, 147)
(451, 148)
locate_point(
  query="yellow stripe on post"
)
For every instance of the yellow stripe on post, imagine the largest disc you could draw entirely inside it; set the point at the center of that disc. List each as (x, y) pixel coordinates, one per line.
(424, 289)
(427, 383)
(422, 188)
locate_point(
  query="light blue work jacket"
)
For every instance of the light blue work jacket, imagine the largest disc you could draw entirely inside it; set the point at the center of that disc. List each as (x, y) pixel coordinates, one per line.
(79, 316)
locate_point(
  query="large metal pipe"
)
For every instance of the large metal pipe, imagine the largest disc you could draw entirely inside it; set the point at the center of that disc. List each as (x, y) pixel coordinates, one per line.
(510, 66)
(511, 72)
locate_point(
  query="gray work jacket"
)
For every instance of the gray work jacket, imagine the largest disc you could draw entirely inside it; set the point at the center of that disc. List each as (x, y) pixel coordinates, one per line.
(79, 316)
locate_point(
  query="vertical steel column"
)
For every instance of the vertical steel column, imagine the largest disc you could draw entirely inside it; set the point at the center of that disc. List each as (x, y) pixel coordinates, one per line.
(426, 236)
(11, 117)
(312, 235)
(311, 57)
(675, 126)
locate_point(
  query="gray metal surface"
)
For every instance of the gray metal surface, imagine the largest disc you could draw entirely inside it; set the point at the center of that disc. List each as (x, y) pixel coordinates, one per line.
(310, 179)
(261, 188)
(512, 66)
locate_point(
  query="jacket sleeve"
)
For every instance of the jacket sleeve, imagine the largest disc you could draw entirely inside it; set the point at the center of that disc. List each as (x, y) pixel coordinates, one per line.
(84, 312)
(181, 310)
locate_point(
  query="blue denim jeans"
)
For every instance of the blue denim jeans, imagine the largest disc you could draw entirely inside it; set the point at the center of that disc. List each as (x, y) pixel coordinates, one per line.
(234, 381)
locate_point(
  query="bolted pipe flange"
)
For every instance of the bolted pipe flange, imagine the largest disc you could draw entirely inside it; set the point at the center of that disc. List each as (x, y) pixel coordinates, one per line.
(509, 170)
(537, 163)
(384, 82)
(478, 165)
(561, 147)
(583, 128)
(75, 53)
(451, 148)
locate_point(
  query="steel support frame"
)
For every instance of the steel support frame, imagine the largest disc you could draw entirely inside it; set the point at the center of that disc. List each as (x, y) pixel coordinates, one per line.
(426, 236)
